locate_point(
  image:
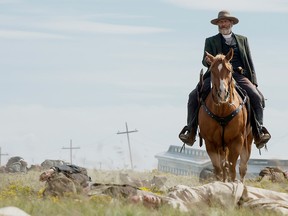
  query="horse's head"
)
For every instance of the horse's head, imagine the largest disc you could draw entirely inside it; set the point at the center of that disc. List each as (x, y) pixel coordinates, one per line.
(221, 76)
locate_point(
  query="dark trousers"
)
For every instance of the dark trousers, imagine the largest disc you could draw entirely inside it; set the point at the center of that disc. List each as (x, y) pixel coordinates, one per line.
(255, 96)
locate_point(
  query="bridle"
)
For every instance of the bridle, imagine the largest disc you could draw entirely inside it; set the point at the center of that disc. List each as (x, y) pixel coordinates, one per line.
(215, 89)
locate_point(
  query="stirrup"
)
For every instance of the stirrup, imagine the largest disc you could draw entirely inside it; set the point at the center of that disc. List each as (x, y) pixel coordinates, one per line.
(264, 130)
(183, 131)
(263, 143)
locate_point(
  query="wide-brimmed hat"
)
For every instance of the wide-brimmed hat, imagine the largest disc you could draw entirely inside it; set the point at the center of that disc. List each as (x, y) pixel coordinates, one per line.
(224, 15)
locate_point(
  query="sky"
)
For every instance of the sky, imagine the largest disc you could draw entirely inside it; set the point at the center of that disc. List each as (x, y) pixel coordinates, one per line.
(78, 71)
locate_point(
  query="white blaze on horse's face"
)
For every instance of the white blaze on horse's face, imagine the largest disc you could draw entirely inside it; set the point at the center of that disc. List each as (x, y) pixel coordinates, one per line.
(223, 88)
(220, 66)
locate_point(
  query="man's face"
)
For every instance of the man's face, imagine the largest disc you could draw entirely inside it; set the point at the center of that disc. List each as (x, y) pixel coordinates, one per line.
(225, 26)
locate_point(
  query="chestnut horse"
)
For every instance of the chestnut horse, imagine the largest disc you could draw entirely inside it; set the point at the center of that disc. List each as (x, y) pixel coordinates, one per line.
(223, 122)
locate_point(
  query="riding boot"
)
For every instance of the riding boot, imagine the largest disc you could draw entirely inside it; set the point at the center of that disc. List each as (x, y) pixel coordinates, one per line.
(188, 136)
(261, 134)
(188, 133)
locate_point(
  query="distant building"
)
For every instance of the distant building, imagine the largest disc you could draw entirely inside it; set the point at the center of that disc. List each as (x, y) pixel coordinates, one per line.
(191, 161)
(188, 162)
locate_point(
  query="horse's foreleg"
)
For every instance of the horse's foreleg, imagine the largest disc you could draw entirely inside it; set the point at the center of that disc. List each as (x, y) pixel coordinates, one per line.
(225, 164)
(232, 164)
(245, 156)
(218, 173)
(216, 160)
(242, 171)
(225, 168)
(232, 171)
(217, 168)
(243, 166)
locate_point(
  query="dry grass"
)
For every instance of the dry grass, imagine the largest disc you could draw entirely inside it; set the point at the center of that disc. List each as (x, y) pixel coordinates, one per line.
(24, 191)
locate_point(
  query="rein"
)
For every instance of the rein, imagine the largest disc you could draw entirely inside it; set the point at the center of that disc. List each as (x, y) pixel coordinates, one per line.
(223, 121)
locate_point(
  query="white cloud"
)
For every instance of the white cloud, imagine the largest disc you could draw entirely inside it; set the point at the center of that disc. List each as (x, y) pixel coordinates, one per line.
(16, 34)
(9, 1)
(245, 5)
(97, 27)
(115, 16)
(76, 27)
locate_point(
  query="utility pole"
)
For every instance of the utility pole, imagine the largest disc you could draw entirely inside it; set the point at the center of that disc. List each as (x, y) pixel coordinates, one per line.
(2, 155)
(127, 132)
(71, 148)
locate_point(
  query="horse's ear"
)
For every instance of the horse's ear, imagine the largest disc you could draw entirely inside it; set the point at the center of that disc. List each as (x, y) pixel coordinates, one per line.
(211, 57)
(230, 54)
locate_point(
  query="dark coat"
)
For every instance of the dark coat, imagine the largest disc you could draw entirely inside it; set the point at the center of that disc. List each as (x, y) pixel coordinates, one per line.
(213, 45)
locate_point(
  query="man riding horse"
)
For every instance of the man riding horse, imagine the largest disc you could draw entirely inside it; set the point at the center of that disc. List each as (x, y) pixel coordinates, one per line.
(244, 74)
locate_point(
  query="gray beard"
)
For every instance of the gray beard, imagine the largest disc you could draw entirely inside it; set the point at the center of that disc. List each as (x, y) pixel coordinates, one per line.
(225, 31)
